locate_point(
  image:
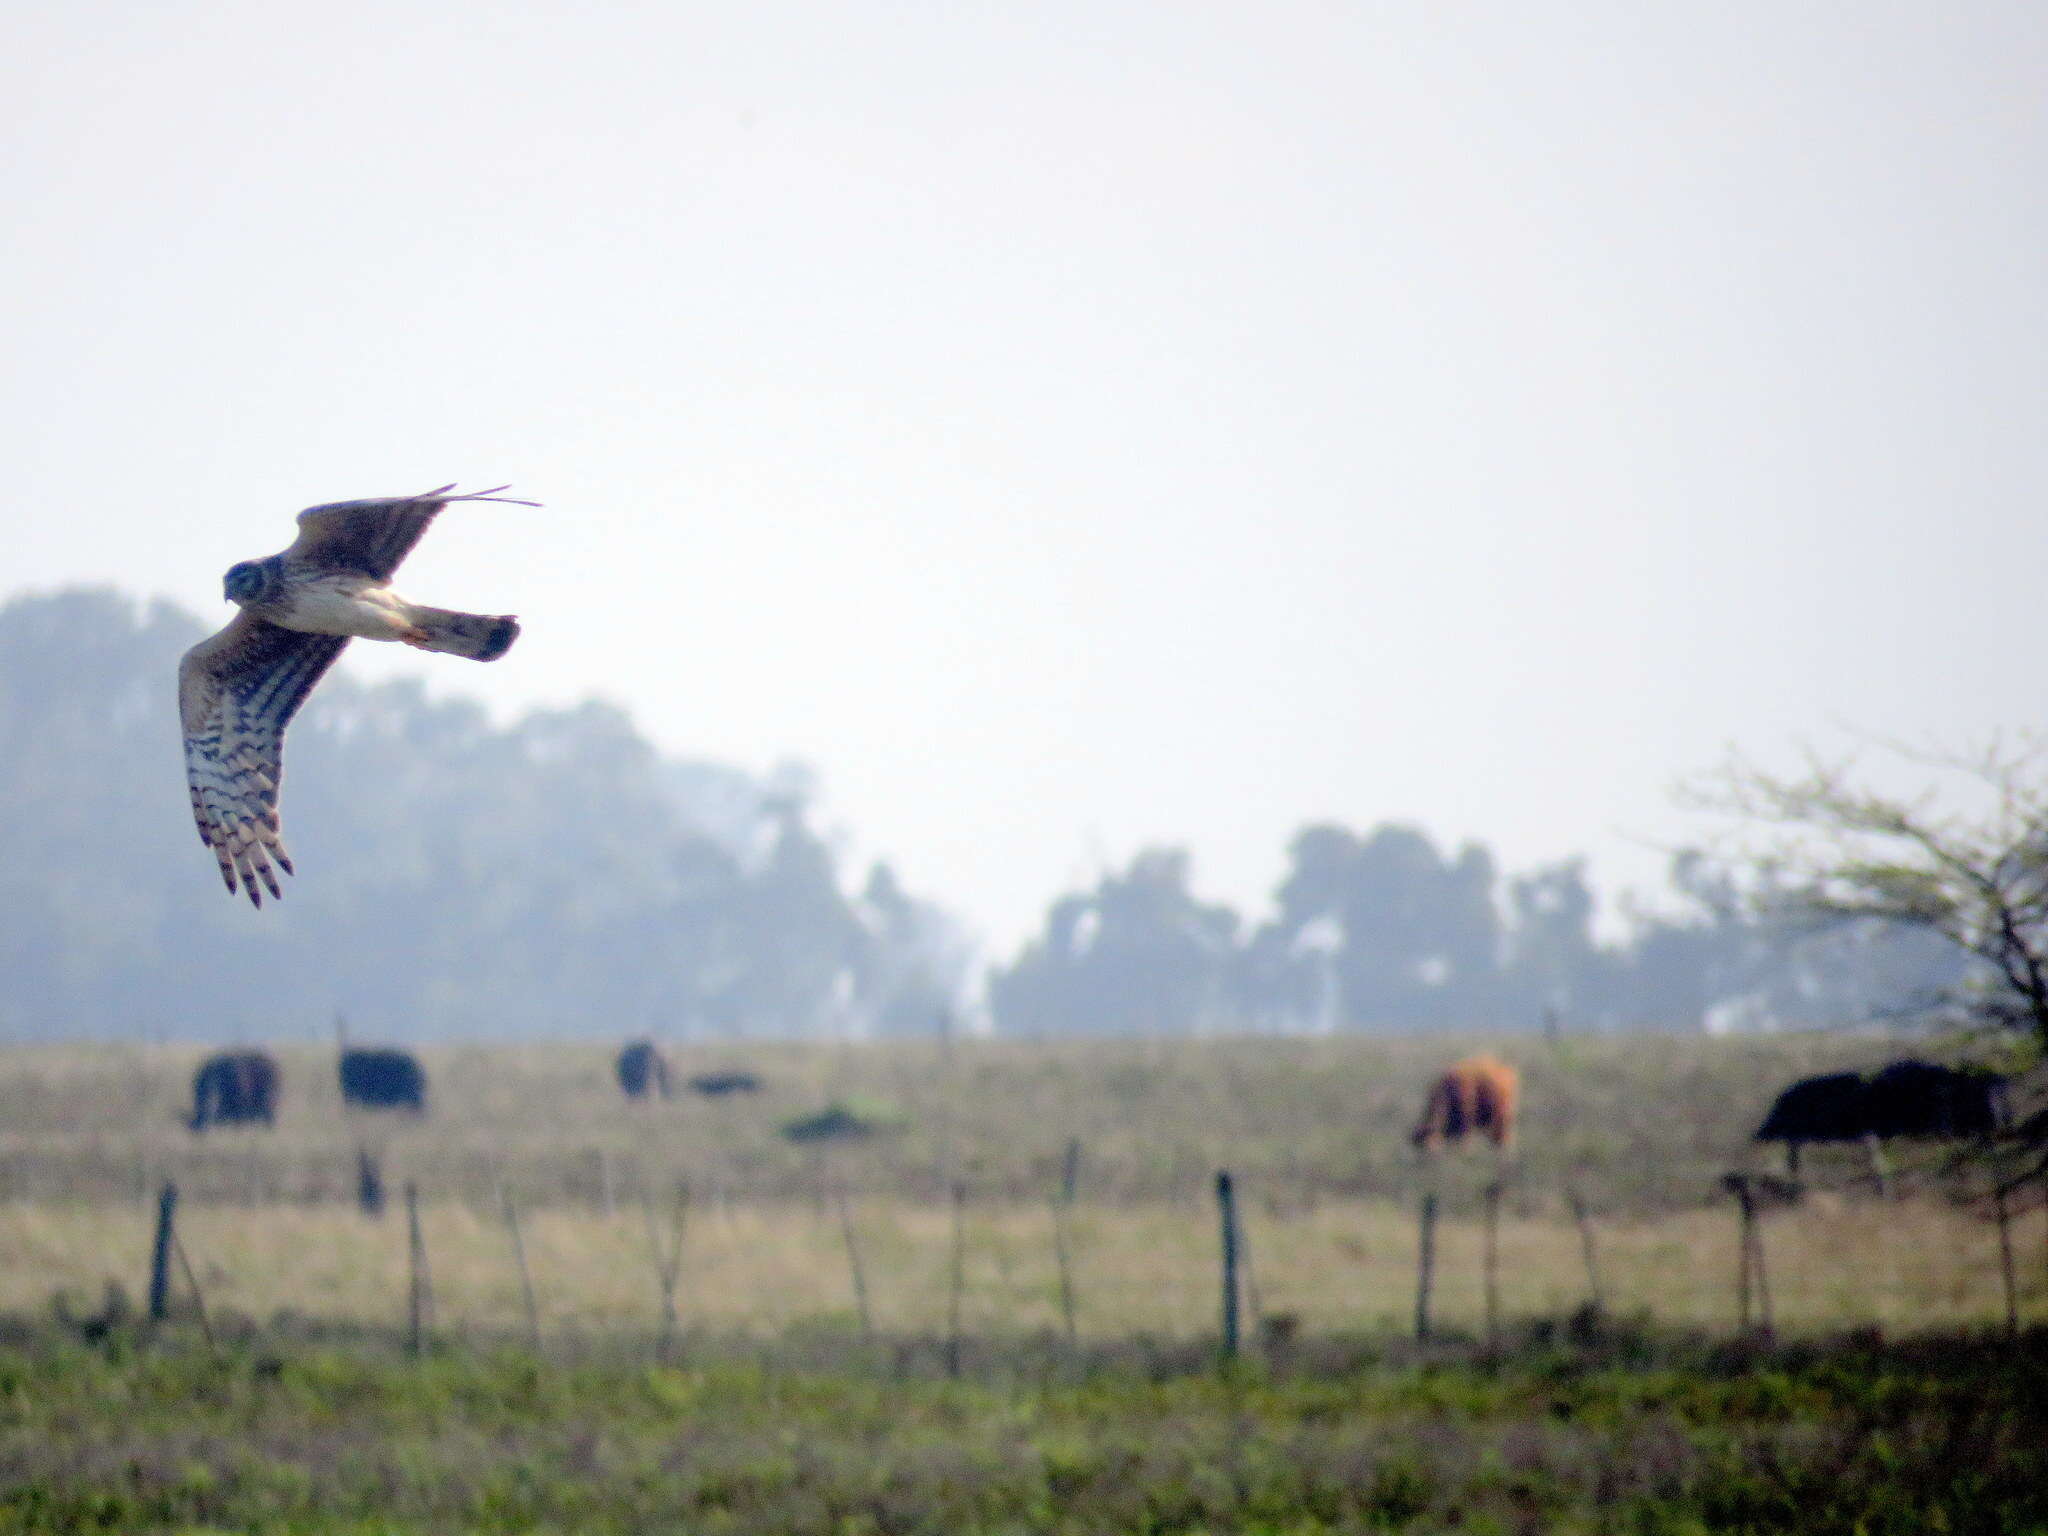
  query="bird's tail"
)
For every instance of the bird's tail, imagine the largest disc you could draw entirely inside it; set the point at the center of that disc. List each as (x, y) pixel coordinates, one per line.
(479, 636)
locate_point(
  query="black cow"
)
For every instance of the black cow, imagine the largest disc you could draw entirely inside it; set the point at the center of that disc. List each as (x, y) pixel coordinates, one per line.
(1919, 1098)
(1907, 1098)
(233, 1087)
(642, 1069)
(717, 1084)
(383, 1079)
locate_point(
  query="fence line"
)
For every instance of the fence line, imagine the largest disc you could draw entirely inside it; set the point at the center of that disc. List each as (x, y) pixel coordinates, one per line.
(1756, 1307)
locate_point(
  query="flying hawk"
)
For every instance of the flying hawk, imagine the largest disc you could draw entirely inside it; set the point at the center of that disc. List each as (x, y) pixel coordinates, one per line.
(239, 689)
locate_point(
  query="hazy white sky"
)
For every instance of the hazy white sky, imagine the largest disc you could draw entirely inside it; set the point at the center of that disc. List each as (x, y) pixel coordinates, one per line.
(1074, 426)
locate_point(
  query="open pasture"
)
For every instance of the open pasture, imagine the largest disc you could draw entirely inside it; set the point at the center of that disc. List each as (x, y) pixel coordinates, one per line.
(1891, 1401)
(1637, 1126)
(1639, 1130)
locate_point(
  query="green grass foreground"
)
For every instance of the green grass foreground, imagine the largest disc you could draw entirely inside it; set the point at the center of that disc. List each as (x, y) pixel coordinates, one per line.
(1611, 1431)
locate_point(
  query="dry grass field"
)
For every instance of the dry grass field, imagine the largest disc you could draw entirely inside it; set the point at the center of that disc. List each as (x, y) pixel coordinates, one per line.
(771, 1270)
(1639, 1126)
(1639, 1129)
(1891, 1400)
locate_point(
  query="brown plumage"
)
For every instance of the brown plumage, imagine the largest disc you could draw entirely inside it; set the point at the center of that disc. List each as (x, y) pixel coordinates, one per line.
(239, 689)
(1476, 1096)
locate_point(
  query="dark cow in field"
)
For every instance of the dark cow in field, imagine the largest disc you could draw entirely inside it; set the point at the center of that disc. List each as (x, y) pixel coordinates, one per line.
(233, 1088)
(718, 1084)
(1477, 1096)
(383, 1079)
(643, 1070)
(1921, 1098)
(1908, 1098)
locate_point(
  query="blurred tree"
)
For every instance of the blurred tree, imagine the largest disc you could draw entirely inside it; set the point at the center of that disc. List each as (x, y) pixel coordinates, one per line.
(1553, 961)
(1418, 937)
(1964, 860)
(556, 876)
(1138, 956)
(917, 969)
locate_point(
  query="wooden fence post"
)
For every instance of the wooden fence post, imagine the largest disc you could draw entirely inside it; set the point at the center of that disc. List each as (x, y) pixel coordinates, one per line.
(419, 1309)
(1585, 1222)
(369, 1182)
(1763, 1274)
(1490, 1265)
(1748, 1222)
(1752, 1256)
(668, 1263)
(1061, 1207)
(160, 1254)
(1425, 1263)
(959, 1280)
(1226, 1204)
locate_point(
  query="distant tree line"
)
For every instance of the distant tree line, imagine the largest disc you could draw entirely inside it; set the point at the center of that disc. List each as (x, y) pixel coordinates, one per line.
(558, 876)
(1384, 931)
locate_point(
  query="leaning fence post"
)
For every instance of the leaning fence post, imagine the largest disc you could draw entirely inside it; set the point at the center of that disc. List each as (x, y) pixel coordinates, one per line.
(1425, 1264)
(860, 1283)
(1226, 1204)
(2005, 1259)
(160, 1254)
(198, 1296)
(525, 1275)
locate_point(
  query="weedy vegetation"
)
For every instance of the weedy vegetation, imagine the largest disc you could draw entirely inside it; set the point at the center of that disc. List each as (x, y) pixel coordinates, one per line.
(1890, 1396)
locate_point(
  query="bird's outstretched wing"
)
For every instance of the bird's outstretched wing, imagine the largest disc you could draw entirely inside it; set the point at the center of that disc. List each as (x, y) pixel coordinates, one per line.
(374, 536)
(236, 693)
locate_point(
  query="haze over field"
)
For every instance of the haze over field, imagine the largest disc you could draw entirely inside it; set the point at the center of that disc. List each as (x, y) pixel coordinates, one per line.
(561, 876)
(1083, 428)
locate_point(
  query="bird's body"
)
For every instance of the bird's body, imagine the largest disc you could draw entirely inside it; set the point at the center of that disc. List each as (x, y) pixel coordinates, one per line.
(239, 689)
(303, 597)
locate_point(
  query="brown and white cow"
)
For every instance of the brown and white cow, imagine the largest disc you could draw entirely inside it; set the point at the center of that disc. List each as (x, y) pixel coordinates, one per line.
(1476, 1096)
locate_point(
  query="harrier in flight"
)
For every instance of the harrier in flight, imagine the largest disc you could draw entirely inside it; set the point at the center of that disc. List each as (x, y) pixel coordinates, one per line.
(239, 689)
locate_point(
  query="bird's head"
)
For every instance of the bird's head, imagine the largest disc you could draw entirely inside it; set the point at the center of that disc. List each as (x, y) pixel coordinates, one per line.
(247, 582)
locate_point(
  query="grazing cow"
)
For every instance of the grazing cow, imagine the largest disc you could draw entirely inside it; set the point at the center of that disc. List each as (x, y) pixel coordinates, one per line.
(383, 1079)
(1474, 1096)
(1921, 1098)
(717, 1084)
(232, 1087)
(1908, 1098)
(643, 1068)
